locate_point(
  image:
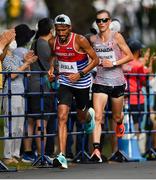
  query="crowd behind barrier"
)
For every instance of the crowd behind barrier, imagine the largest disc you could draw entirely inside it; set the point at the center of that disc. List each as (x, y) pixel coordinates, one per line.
(146, 125)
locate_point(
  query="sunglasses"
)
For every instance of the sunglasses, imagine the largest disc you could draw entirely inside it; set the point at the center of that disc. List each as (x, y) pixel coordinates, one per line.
(103, 20)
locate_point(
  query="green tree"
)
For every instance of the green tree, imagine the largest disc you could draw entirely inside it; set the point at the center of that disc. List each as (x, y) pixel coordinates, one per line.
(81, 12)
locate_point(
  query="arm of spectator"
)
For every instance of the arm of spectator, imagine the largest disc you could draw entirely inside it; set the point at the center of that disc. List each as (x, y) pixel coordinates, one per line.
(2, 56)
(151, 68)
(5, 38)
(29, 58)
(152, 64)
(145, 71)
(146, 57)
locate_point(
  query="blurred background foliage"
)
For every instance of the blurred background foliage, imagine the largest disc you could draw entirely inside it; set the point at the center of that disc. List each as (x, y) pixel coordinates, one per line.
(81, 12)
(137, 17)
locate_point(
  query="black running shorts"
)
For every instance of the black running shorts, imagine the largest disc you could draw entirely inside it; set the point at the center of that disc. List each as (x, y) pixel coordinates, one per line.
(112, 91)
(66, 94)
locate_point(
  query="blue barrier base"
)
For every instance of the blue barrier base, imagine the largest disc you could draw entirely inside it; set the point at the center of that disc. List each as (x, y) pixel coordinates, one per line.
(4, 168)
(81, 157)
(43, 162)
(131, 148)
(119, 156)
(150, 154)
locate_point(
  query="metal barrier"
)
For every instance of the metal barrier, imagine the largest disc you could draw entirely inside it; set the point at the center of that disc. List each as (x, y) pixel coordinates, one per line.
(42, 160)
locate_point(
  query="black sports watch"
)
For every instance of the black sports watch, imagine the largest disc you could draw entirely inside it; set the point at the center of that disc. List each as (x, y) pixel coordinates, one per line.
(82, 74)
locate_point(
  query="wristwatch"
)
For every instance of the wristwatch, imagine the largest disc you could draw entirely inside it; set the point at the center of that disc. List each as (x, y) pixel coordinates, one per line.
(82, 74)
(114, 63)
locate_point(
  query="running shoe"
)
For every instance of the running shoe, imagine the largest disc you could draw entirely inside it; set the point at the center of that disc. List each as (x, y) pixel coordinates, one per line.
(120, 130)
(96, 156)
(69, 157)
(89, 126)
(28, 158)
(60, 161)
(16, 159)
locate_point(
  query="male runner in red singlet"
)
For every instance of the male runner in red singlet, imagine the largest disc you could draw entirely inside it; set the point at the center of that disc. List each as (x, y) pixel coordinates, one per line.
(72, 51)
(112, 51)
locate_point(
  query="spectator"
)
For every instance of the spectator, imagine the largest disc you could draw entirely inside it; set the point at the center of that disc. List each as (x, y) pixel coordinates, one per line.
(43, 51)
(135, 83)
(24, 36)
(152, 104)
(14, 63)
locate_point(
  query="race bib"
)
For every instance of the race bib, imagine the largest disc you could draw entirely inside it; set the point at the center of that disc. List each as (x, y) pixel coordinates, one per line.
(68, 67)
(108, 55)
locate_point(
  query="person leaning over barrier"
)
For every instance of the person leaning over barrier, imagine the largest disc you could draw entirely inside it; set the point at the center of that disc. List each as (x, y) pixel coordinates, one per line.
(109, 81)
(72, 51)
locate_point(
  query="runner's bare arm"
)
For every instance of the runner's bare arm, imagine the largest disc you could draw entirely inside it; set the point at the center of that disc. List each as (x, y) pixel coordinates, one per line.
(51, 75)
(83, 45)
(128, 56)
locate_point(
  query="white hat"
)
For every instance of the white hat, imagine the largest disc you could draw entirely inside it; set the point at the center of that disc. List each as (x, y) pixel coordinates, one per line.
(115, 26)
(62, 19)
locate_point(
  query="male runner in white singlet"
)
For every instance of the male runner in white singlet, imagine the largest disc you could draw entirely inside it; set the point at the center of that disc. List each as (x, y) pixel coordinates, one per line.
(112, 51)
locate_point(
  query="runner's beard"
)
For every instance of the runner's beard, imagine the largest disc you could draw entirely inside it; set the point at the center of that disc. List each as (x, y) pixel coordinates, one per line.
(64, 40)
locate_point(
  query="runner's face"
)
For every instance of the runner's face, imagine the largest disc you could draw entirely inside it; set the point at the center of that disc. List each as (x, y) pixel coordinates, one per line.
(63, 32)
(103, 21)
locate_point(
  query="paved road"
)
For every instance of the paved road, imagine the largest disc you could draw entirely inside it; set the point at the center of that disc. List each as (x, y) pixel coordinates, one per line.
(111, 170)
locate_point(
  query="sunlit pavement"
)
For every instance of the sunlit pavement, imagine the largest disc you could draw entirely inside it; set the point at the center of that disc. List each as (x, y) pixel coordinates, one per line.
(109, 170)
